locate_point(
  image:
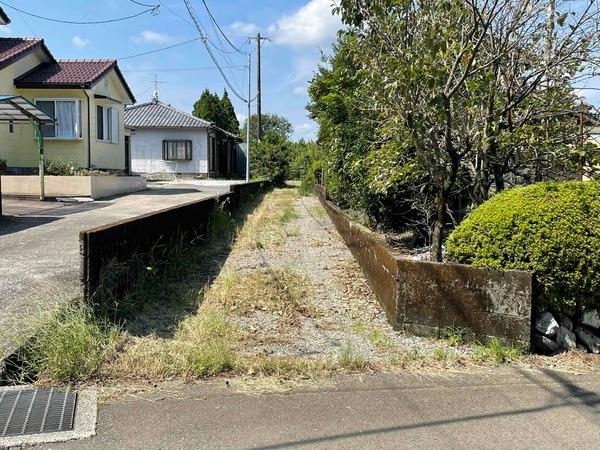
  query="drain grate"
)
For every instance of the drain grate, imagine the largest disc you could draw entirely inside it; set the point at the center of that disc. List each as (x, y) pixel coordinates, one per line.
(33, 411)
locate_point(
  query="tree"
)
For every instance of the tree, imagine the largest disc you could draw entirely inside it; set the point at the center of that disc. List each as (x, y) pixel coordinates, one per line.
(461, 96)
(271, 124)
(209, 108)
(229, 120)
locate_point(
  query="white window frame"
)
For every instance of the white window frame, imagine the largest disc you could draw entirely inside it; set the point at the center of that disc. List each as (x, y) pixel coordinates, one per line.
(110, 124)
(79, 127)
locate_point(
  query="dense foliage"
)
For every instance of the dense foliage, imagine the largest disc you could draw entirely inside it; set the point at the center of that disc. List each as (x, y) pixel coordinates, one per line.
(217, 110)
(550, 228)
(425, 109)
(60, 166)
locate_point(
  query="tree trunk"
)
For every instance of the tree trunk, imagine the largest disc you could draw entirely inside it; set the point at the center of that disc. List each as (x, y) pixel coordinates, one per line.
(499, 178)
(439, 224)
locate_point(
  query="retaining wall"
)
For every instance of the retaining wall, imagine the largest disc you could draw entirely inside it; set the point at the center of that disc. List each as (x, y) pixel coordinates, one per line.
(72, 186)
(118, 242)
(427, 297)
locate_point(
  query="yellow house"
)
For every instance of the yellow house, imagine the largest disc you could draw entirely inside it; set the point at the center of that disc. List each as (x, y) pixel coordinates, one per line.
(86, 97)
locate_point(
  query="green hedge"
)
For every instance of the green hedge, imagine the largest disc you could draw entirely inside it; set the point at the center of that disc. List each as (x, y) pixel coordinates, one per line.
(552, 229)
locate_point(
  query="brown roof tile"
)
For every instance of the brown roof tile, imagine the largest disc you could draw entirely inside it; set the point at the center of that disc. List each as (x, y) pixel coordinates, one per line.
(78, 73)
(12, 49)
(66, 73)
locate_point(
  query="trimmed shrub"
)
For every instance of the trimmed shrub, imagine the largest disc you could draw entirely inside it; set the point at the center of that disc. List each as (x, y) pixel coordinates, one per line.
(552, 229)
(2, 166)
(60, 166)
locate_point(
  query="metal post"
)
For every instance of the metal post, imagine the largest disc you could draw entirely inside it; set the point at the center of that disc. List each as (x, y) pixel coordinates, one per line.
(39, 139)
(258, 92)
(248, 124)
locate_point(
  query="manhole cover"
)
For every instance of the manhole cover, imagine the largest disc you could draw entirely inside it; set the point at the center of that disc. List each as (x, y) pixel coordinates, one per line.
(33, 411)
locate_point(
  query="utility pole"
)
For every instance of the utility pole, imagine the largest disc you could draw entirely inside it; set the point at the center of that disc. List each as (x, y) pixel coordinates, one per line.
(249, 112)
(259, 40)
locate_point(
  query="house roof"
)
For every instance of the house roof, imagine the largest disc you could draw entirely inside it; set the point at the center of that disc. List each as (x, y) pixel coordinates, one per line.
(156, 114)
(4, 19)
(64, 73)
(12, 49)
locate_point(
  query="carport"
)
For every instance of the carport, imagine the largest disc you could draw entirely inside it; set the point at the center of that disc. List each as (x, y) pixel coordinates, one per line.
(16, 109)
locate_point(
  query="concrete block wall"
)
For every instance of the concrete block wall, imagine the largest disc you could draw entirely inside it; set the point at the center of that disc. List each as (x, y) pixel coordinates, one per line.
(427, 297)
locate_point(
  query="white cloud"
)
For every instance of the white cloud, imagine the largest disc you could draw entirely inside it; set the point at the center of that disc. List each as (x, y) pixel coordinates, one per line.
(305, 66)
(299, 90)
(313, 24)
(152, 37)
(244, 28)
(80, 42)
(306, 130)
(304, 126)
(5, 29)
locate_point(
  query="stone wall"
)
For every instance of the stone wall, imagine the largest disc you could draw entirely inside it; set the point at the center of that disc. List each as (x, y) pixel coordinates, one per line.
(427, 297)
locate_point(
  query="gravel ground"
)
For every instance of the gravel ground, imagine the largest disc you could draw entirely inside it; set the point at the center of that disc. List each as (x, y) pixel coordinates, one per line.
(349, 314)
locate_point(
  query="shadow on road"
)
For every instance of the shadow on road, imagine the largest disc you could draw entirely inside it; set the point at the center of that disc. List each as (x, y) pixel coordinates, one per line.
(566, 393)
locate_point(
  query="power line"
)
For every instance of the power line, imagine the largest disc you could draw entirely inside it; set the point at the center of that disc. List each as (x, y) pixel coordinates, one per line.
(153, 10)
(176, 14)
(187, 69)
(143, 4)
(26, 23)
(214, 21)
(204, 40)
(158, 49)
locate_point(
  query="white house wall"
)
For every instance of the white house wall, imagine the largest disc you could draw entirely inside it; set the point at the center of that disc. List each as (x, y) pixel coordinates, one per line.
(146, 151)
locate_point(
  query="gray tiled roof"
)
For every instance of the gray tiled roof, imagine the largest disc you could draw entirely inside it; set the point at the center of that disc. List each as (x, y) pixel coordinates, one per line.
(156, 114)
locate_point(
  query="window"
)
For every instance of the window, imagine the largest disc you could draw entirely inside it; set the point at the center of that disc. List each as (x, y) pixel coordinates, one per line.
(177, 150)
(68, 118)
(107, 124)
(11, 127)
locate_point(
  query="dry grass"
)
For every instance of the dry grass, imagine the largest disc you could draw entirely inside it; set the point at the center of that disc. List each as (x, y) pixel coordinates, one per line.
(203, 345)
(270, 290)
(266, 227)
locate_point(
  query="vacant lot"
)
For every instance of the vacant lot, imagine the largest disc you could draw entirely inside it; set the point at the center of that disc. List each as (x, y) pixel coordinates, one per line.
(271, 297)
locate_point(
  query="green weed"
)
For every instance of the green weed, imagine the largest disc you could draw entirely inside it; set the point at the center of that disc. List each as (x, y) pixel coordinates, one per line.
(495, 350)
(349, 360)
(70, 345)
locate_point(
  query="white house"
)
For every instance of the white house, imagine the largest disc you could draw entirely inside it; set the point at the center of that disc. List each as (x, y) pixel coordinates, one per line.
(164, 139)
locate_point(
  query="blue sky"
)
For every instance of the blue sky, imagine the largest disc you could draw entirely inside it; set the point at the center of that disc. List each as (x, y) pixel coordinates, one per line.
(299, 31)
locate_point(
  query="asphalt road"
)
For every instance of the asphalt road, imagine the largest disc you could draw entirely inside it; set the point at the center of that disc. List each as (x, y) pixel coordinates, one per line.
(498, 409)
(39, 248)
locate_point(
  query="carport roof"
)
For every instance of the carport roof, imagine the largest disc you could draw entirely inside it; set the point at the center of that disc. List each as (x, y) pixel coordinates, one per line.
(17, 109)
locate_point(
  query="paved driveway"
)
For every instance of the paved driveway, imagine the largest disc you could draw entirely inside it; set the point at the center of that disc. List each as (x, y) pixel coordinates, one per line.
(39, 248)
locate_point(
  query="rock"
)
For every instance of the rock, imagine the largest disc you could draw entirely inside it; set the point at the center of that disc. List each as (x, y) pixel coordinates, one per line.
(588, 339)
(544, 345)
(547, 325)
(591, 318)
(566, 339)
(566, 322)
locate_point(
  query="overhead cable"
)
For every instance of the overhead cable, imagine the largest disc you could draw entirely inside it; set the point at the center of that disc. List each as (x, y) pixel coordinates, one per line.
(153, 10)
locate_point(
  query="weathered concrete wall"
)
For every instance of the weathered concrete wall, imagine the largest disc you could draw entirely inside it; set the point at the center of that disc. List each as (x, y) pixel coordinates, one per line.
(427, 297)
(118, 242)
(72, 186)
(375, 258)
(103, 187)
